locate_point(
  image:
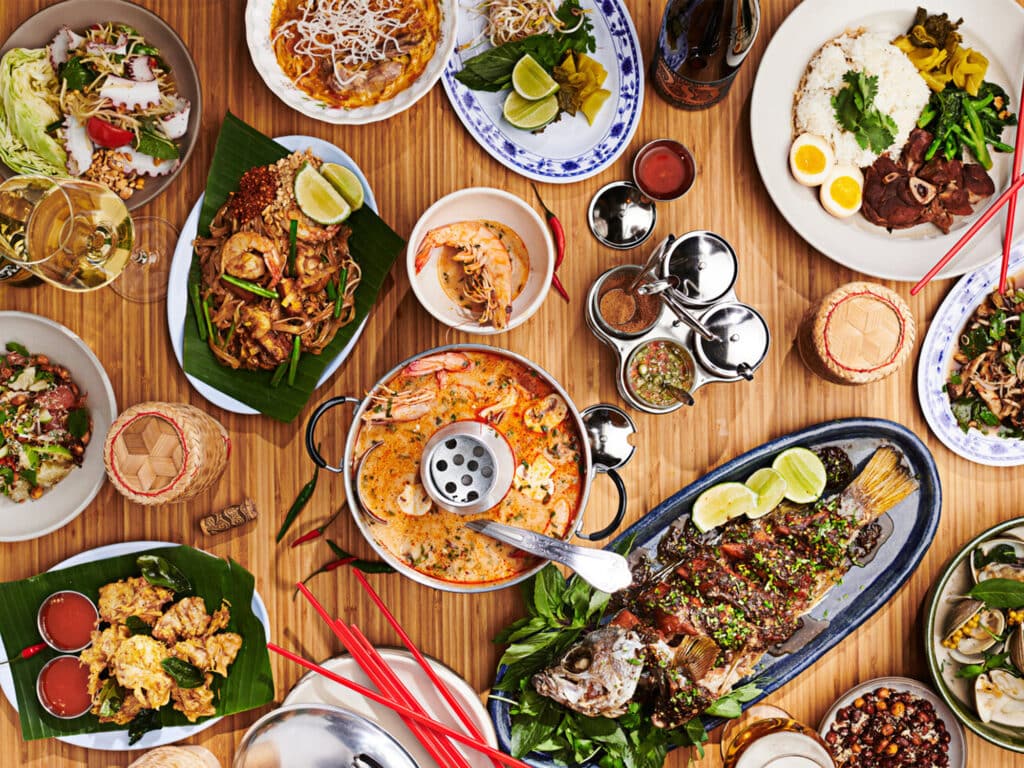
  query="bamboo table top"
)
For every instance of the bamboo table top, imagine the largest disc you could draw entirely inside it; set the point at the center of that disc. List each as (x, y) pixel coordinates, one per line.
(410, 161)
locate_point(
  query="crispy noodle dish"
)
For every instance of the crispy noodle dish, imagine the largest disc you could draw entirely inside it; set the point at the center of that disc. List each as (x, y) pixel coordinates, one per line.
(263, 307)
(354, 53)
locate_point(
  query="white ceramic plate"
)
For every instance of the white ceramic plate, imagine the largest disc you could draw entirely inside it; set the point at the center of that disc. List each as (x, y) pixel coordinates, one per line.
(994, 27)
(496, 205)
(315, 689)
(66, 500)
(177, 280)
(257, 35)
(568, 150)
(935, 362)
(117, 741)
(957, 744)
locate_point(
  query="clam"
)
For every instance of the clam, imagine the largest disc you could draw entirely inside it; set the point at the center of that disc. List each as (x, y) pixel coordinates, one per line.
(967, 639)
(1015, 646)
(1011, 549)
(999, 698)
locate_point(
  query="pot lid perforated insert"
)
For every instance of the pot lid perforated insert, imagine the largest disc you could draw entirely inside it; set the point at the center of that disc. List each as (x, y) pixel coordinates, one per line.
(467, 467)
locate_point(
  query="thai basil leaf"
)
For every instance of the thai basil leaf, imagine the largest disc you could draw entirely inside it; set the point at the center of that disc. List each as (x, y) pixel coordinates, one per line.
(999, 593)
(160, 573)
(147, 720)
(185, 675)
(78, 422)
(110, 698)
(137, 626)
(13, 346)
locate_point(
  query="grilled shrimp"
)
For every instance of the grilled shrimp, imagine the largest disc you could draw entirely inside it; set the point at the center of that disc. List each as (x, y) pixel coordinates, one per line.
(249, 255)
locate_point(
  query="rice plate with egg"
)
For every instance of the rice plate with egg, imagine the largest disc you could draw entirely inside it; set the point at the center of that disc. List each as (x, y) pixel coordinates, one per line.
(902, 92)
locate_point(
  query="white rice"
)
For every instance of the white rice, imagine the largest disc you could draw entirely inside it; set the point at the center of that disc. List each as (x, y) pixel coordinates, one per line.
(902, 92)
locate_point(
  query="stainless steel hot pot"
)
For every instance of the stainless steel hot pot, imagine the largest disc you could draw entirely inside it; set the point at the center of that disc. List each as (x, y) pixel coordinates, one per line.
(604, 430)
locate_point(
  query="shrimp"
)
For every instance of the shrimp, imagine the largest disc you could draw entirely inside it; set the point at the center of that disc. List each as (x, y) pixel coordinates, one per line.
(486, 261)
(249, 255)
(444, 361)
(399, 406)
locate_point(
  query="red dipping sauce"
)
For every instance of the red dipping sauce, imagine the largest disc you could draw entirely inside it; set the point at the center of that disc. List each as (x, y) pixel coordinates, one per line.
(664, 169)
(66, 621)
(63, 687)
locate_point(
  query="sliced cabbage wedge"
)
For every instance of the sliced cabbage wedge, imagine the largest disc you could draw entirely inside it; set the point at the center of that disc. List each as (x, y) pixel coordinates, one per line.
(29, 97)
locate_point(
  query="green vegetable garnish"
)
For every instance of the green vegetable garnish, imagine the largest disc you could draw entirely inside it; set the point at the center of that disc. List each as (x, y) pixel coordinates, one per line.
(185, 675)
(153, 144)
(137, 626)
(110, 698)
(999, 593)
(249, 286)
(13, 346)
(147, 720)
(293, 364)
(855, 111)
(159, 572)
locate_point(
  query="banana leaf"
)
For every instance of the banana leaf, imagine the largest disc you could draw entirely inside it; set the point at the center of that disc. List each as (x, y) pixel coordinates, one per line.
(373, 245)
(249, 683)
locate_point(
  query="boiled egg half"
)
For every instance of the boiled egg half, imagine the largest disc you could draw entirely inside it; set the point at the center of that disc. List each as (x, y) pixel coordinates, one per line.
(842, 191)
(810, 159)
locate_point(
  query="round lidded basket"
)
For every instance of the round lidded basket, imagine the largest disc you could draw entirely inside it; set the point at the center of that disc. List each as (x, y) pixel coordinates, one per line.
(859, 333)
(163, 453)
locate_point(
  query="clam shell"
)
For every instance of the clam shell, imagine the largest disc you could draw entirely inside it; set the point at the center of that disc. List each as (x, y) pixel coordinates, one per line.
(972, 647)
(961, 614)
(986, 547)
(999, 698)
(1015, 645)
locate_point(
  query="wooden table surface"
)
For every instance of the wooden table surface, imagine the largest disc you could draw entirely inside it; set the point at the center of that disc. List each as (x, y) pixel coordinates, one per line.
(410, 161)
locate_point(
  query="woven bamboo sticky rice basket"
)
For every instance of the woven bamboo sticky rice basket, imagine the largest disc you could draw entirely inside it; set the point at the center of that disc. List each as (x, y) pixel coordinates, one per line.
(163, 453)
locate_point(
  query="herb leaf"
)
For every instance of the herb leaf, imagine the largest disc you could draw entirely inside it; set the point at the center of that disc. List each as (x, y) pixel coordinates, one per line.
(78, 422)
(110, 698)
(855, 111)
(999, 593)
(147, 720)
(13, 346)
(159, 572)
(186, 675)
(137, 626)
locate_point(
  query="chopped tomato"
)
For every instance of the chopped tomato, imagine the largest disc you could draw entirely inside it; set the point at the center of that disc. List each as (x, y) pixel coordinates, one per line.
(107, 135)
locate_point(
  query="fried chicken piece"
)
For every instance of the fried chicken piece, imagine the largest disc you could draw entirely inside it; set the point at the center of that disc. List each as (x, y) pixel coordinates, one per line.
(213, 654)
(132, 597)
(137, 668)
(186, 618)
(104, 645)
(130, 707)
(195, 702)
(220, 618)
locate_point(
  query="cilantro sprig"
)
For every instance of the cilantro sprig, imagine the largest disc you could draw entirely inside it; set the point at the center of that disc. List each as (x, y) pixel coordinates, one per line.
(856, 112)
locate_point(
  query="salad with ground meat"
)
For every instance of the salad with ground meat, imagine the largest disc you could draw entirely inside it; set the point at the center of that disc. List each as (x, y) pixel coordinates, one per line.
(44, 424)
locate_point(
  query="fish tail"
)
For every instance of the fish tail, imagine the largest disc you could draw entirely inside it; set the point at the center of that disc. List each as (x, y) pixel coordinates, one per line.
(883, 483)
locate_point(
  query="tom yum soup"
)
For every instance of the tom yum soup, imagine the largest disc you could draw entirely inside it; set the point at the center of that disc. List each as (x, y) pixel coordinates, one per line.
(524, 410)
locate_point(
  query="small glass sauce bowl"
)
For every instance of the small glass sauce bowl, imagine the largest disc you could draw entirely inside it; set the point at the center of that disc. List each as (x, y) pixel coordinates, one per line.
(664, 170)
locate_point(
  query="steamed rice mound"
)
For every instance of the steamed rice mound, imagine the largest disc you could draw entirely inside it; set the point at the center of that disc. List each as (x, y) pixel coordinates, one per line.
(902, 92)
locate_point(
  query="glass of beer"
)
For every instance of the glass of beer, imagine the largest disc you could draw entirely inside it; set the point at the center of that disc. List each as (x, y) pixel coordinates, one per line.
(72, 233)
(768, 737)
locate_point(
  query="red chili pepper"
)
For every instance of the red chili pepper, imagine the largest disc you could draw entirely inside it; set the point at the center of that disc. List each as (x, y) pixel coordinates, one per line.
(316, 532)
(107, 135)
(559, 235)
(29, 652)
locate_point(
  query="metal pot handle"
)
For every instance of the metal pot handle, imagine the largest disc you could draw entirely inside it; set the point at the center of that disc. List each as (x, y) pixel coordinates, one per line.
(321, 409)
(619, 514)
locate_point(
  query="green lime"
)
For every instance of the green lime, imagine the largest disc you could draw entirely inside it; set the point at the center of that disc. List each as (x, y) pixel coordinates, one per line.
(530, 79)
(803, 472)
(317, 197)
(346, 182)
(721, 503)
(530, 115)
(770, 488)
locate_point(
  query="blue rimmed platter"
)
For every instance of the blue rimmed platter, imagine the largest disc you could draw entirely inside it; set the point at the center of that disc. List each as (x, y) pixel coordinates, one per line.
(863, 589)
(569, 149)
(935, 364)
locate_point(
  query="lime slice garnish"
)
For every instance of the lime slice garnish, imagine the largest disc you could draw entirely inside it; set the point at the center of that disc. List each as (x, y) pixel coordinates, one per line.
(531, 81)
(770, 488)
(530, 115)
(317, 197)
(803, 472)
(721, 503)
(346, 182)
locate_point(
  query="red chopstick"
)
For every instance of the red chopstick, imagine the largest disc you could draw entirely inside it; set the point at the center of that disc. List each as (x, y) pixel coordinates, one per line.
(1009, 194)
(448, 696)
(451, 733)
(438, 749)
(1011, 209)
(397, 690)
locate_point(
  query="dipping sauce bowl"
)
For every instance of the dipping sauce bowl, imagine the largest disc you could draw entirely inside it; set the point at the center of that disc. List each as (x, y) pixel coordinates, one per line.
(63, 687)
(66, 620)
(660, 373)
(664, 170)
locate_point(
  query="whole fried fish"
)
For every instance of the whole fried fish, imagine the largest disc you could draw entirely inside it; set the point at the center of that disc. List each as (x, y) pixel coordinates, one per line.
(598, 675)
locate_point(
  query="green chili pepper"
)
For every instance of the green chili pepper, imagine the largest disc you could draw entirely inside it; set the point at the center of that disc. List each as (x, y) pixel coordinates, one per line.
(279, 373)
(245, 285)
(340, 300)
(293, 364)
(197, 308)
(300, 501)
(293, 245)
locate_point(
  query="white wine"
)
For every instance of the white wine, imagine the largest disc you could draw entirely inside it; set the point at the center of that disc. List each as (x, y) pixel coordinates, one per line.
(778, 743)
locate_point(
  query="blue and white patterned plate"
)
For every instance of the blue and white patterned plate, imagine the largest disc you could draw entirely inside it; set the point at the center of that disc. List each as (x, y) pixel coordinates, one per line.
(935, 362)
(567, 150)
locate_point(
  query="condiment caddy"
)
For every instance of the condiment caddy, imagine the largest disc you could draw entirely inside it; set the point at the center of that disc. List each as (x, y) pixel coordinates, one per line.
(700, 268)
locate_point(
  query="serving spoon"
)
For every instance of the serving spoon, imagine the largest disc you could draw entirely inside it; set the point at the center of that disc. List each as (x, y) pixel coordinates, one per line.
(603, 570)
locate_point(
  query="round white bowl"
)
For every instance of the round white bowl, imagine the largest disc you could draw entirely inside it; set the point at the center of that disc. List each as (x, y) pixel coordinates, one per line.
(494, 205)
(65, 501)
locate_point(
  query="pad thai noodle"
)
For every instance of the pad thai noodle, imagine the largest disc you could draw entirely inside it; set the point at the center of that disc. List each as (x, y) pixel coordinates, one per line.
(262, 305)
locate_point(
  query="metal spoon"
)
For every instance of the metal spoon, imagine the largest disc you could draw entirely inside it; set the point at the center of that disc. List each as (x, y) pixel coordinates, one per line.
(679, 394)
(652, 265)
(603, 570)
(671, 300)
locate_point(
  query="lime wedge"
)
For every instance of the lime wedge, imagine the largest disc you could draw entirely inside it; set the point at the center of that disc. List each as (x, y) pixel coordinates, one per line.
(721, 503)
(803, 472)
(530, 115)
(317, 197)
(346, 182)
(770, 488)
(530, 79)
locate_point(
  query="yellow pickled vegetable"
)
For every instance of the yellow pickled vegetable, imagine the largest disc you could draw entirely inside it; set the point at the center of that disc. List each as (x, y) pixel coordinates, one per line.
(586, 64)
(568, 64)
(593, 103)
(965, 67)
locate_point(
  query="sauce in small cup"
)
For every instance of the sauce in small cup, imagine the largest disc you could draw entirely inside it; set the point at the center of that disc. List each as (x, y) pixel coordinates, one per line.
(63, 687)
(66, 620)
(657, 370)
(664, 170)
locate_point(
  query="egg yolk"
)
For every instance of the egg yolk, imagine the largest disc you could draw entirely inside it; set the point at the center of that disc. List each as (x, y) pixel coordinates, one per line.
(810, 159)
(845, 191)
